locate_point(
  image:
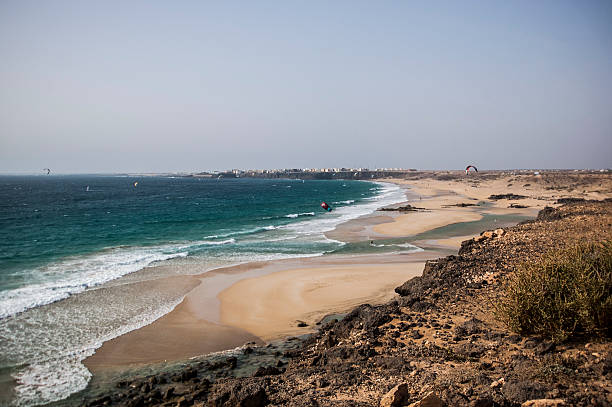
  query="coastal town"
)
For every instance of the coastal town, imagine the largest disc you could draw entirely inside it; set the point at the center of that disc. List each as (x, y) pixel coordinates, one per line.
(359, 173)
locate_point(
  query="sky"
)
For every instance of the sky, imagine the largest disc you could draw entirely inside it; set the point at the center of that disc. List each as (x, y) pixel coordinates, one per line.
(159, 86)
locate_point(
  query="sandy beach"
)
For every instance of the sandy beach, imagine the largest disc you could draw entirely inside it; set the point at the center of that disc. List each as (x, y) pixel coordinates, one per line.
(260, 302)
(272, 306)
(203, 322)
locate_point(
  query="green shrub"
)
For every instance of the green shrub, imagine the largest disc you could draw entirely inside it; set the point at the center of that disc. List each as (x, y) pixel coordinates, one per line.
(566, 293)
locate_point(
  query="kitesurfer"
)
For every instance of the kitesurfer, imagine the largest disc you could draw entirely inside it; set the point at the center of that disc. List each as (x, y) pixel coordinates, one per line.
(467, 169)
(325, 206)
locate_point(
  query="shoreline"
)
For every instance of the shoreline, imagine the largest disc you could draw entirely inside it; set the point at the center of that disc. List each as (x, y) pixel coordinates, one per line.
(191, 329)
(435, 195)
(203, 305)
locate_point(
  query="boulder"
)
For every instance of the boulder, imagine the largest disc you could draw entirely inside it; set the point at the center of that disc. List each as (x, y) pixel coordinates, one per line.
(397, 396)
(430, 400)
(234, 392)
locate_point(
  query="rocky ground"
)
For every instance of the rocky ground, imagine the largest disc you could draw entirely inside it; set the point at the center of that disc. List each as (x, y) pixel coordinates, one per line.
(438, 343)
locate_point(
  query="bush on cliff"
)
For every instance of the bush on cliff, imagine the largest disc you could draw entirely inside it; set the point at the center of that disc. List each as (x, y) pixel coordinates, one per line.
(566, 293)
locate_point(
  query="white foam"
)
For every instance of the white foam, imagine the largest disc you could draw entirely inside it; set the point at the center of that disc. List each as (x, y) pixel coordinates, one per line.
(242, 232)
(410, 246)
(213, 243)
(348, 202)
(389, 194)
(402, 245)
(76, 274)
(295, 215)
(49, 350)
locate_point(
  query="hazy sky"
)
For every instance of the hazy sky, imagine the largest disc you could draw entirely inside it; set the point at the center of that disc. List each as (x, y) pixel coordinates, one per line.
(110, 86)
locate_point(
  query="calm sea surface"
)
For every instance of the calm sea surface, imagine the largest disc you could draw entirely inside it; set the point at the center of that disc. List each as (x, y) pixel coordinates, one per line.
(64, 240)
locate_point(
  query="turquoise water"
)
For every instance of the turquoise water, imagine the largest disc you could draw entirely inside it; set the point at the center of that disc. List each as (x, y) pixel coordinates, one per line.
(64, 240)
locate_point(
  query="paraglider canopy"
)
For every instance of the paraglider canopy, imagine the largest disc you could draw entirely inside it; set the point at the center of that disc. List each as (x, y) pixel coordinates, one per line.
(470, 167)
(325, 206)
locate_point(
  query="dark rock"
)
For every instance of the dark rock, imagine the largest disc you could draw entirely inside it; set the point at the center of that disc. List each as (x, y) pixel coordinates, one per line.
(394, 365)
(549, 214)
(471, 350)
(506, 196)
(234, 392)
(531, 343)
(376, 319)
(415, 334)
(461, 205)
(168, 393)
(100, 401)
(188, 374)
(137, 401)
(406, 208)
(229, 363)
(569, 200)
(514, 338)
(469, 327)
(396, 397)
(184, 401)
(430, 400)
(155, 394)
(422, 306)
(267, 371)
(484, 402)
(544, 348)
(467, 246)
(291, 353)
(521, 391)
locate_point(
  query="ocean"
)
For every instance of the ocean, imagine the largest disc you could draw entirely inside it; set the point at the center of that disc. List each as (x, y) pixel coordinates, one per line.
(64, 240)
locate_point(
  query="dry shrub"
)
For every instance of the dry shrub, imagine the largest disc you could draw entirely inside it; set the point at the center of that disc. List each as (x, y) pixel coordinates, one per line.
(566, 293)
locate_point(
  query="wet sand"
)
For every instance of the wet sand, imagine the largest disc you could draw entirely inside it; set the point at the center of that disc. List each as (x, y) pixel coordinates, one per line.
(177, 335)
